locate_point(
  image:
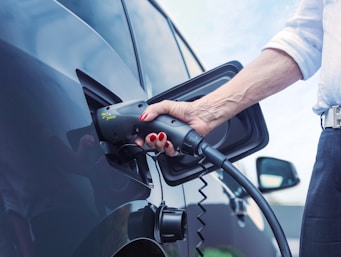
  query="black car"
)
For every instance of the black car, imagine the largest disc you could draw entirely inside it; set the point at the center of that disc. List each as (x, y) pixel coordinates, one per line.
(65, 190)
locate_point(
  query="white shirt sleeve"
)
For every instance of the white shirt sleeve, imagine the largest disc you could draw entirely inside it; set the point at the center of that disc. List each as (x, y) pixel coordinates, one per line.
(302, 37)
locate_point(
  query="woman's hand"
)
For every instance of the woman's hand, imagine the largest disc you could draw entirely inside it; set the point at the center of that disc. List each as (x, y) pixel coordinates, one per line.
(189, 112)
(195, 114)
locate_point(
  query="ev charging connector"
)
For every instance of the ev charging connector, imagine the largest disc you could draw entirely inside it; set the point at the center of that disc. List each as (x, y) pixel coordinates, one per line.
(120, 121)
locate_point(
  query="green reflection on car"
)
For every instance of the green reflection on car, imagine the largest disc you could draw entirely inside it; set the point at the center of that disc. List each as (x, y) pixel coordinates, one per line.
(223, 252)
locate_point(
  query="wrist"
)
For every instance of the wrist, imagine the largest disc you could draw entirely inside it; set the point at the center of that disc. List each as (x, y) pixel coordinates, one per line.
(209, 115)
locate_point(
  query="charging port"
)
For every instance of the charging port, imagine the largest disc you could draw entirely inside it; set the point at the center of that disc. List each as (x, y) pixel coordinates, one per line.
(131, 159)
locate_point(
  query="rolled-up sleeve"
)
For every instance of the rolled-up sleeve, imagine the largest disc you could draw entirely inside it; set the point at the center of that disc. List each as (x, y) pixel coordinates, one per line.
(302, 37)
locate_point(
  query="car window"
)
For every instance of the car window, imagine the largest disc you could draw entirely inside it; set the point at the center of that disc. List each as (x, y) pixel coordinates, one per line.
(165, 59)
(193, 66)
(107, 18)
(161, 61)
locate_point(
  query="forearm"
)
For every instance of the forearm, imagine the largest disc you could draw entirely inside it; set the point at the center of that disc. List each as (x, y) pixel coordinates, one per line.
(268, 74)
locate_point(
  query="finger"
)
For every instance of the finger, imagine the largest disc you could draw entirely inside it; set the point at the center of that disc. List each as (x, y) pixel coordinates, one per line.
(154, 110)
(170, 150)
(139, 141)
(151, 140)
(161, 141)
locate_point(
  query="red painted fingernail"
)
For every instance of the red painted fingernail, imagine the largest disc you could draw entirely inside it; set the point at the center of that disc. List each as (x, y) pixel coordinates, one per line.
(161, 136)
(167, 144)
(152, 138)
(143, 116)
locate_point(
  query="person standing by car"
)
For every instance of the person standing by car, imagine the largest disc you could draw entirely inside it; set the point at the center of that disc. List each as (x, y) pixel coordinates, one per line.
(310, 41)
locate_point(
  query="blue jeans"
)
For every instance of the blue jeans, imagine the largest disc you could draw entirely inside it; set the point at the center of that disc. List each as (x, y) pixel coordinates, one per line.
(321, 227)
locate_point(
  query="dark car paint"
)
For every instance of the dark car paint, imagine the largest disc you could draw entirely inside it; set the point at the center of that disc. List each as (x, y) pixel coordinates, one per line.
(223, 228)
(74, 203)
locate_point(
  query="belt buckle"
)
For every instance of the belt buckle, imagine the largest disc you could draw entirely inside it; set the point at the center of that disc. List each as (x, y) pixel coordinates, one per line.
(336, 116)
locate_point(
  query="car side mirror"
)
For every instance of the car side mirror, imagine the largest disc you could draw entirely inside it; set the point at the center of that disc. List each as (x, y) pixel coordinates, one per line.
(275, 174)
